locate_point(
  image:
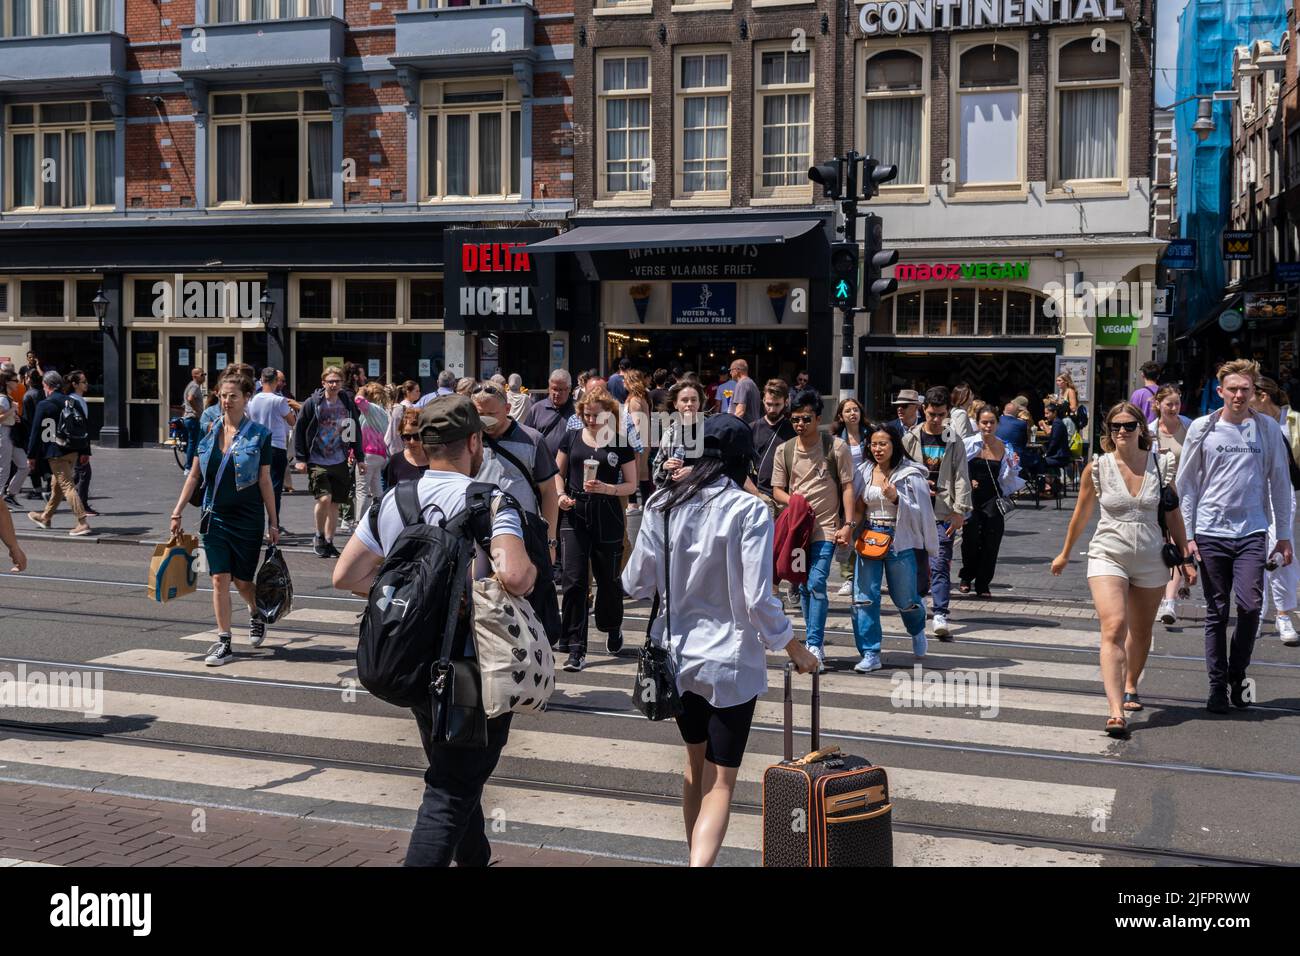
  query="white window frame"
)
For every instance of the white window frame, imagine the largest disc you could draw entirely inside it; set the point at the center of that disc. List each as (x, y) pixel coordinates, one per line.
(38, 130)
(607, 8)
(245, 120)
(925, 290)
(803, 191)
(244, 11)
(445, 5)
(431, 99)
(639, 196)
(1117, 34)
(960, 46)
(920, 47)
(338, 302)
(37, 18)
(699, 197)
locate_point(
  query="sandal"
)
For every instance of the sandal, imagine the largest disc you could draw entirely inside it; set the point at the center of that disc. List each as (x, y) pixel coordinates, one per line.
(1132, 702)
(964, 588)
(1117, 727)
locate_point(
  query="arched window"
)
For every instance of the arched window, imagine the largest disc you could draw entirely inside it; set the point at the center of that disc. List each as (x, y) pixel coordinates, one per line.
(988, 109)
(894, 111)
(1088, 90)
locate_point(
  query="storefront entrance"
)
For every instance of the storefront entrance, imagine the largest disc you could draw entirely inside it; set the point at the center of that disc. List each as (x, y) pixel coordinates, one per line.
(995, 376)
(525, 353)
(770, 354)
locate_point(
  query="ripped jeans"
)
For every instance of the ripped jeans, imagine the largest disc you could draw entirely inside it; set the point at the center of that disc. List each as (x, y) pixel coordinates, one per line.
(900, 568)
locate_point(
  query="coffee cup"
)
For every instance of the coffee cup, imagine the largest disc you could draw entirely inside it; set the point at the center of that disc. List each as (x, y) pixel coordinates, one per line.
(589, 469)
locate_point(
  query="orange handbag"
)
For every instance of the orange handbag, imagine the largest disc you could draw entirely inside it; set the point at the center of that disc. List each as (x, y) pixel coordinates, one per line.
(872, 543)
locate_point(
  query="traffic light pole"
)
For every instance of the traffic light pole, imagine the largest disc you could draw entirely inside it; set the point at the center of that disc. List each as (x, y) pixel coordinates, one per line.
(849, 205)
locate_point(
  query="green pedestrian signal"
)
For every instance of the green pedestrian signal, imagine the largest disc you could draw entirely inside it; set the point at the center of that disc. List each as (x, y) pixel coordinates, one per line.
(842, 291)
(844, 274)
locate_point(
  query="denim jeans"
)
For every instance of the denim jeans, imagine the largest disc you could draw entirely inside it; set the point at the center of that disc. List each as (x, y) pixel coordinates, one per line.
(279, 461)
(940, 571)
(900, 568)
(191, 440)
(812, 595)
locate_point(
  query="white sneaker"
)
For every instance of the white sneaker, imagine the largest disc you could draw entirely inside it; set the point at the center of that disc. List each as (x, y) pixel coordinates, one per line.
(919, 644)
(941, 630)
(1286, 630)
(218, 654)
(1167, 614)
(818, 653)
(345, 527)
(870, 662)
(846, 588)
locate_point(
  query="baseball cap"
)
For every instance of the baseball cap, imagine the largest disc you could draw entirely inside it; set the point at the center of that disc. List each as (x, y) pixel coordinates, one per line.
(450, 418)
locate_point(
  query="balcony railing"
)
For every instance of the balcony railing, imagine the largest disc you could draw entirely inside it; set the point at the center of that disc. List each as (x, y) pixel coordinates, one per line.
(61, 61)
(263, 47)
(488, 29)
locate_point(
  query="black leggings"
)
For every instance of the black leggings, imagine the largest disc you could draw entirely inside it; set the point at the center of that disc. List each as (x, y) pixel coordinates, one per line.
(592, 536)
(981, 538)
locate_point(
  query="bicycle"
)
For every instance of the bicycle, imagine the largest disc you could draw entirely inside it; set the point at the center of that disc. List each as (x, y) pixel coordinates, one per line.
(177, 437)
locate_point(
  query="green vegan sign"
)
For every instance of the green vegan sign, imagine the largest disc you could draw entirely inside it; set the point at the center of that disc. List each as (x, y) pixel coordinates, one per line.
(960, 271)
(1121, 330)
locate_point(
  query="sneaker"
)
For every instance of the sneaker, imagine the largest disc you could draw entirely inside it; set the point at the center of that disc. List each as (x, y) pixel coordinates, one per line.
(79, 531)
(575, 663)
(218, 654)
(345, 527)
(12, 502)
(1167, 614)
(1218, 702)
(36, 519)
(919, 644)
(90, 512)
(941, 630)
(1237, 695)
(330, 550)
(870, 662)
(256, 630)
(614, 642)
(816, 651)
(319, 546)
(793, 599)
(846, 589)
(633, 510)
(1286, 630)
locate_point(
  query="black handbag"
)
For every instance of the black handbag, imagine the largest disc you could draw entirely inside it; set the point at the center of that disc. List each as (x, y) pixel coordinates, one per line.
(999, 506)
(456, 687)
(1169, 552)
(655, 692)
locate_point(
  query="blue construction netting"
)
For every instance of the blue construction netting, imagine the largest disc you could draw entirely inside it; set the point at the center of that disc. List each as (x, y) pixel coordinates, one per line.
(1208, 30)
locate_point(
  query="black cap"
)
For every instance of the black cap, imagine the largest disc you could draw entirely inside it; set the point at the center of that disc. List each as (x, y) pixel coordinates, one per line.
(451, 418)
(727, 437)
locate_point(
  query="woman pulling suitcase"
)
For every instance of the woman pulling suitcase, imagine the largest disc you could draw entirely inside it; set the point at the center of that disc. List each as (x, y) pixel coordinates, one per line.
(724, 617)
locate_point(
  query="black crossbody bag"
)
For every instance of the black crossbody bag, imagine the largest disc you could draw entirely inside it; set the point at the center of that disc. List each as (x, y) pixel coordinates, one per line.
(1169, 553)
(655, 692)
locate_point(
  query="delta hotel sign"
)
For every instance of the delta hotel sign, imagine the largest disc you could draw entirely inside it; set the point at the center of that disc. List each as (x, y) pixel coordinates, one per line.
(916, 16)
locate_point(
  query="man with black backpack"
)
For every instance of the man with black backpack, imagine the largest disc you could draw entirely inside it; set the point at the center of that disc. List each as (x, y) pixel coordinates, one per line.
(415, 554)
(60, 434)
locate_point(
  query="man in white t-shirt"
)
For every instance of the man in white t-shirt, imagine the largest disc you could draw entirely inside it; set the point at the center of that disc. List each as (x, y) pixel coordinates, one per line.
(271, 409)
(452, 434)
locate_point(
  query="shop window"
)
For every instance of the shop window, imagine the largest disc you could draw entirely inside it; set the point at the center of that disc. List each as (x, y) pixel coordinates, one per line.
(42, 299)
(312, 350)
(25, 18)
(907, 313)
(989, 107)
(624, 115)
(66, 352)
(703, 125)
(935, 320)
(86, 291)
(370, 299)
(783, 108)
(272, 148)
(989, 320)
(1020, 313)
(235, 11)
(411, 352)
(61, 155)
(314, 299)
(143, 298)
(893, 118)
(426, 300)
(963, 312)
(4, 299)
(471, 140)
(1089, 90)
(144, 365)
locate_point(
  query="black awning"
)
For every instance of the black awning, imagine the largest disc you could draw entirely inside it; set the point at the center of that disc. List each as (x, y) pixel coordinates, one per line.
(661, 235)
(1211, 320)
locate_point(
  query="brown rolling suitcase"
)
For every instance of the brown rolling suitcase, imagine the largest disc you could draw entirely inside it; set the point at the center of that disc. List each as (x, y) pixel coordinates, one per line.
(827, 808)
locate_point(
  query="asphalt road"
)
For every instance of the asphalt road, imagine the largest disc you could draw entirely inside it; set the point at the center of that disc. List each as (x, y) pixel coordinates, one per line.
(284, 728)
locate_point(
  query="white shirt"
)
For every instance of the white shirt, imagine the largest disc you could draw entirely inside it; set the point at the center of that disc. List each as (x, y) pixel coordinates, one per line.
(725, 617)
(442, 497)
(268, 410)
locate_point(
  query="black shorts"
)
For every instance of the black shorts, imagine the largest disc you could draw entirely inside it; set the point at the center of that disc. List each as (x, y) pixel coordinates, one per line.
(724, 729)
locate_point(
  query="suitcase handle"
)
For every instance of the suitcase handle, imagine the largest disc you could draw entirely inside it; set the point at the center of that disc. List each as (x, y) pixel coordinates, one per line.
(789, 712)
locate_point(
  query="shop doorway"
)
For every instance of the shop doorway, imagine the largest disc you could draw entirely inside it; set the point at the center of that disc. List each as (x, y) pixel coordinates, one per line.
(527, 353)
(1110, 385)
(211, 352)
(770, 353)
(996, 377)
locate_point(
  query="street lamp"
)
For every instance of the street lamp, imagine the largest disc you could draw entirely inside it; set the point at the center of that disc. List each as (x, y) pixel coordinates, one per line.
(267, 305)
(1204, 124)
(100, 304)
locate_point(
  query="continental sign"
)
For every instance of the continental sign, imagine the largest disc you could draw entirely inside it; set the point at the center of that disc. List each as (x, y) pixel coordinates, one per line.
(960, 271)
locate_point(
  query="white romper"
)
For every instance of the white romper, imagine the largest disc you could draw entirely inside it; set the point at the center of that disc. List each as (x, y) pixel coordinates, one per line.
(1127, 541)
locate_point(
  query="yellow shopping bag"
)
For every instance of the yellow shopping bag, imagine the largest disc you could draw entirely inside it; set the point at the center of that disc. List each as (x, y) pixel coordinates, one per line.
(171, 570)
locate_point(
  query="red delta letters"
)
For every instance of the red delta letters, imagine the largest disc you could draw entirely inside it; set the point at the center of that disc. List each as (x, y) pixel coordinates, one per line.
(494, 257)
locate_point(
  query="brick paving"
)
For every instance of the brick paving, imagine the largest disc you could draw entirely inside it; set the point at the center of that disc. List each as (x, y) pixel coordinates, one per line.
(50, 825)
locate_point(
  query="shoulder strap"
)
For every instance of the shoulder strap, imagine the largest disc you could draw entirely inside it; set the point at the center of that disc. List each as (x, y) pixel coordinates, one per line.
(500, 449)
(407, 496)
(832, 466)
(787, 456)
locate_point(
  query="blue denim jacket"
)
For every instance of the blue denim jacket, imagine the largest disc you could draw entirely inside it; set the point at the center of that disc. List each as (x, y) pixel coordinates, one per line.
(247, 454)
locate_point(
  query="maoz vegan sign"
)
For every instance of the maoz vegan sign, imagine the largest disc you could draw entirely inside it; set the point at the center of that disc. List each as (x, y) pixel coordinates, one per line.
(917, 16)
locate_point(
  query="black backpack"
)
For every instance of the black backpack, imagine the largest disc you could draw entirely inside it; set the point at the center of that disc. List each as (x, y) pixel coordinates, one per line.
(72, 429)
(419, 603)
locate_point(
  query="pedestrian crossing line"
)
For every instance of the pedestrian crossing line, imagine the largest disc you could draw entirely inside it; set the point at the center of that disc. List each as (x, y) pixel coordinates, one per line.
(289, 640)
(247, 663)
(1000, 793)
(319, 615)
(624, 817)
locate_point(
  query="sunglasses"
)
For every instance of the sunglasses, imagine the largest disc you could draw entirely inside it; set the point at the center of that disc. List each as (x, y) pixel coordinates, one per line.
(1125, 426)
(410, 436)
(490, 389)
(801, 419)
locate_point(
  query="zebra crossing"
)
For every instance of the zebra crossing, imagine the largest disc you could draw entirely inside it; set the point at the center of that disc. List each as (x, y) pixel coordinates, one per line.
(297, 735)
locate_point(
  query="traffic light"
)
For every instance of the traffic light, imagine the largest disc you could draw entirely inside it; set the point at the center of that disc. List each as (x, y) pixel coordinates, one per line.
(844, 274)
(875, 261)
(874, 172)
(829, 175)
